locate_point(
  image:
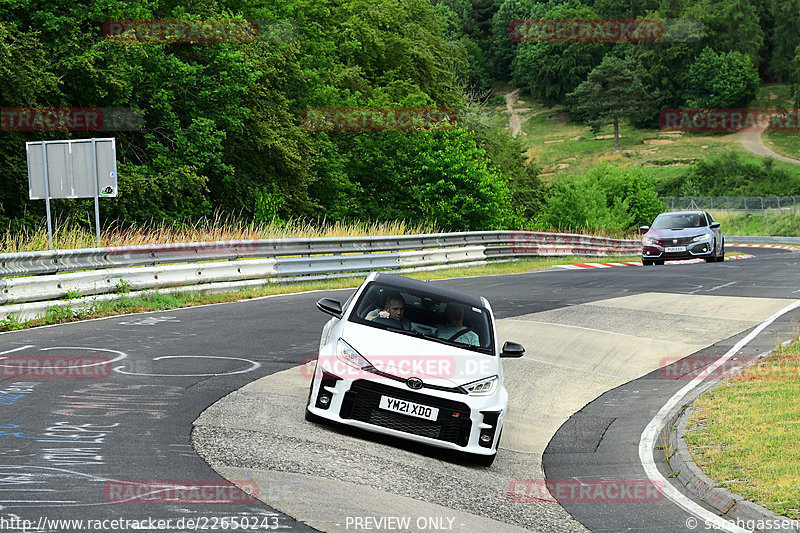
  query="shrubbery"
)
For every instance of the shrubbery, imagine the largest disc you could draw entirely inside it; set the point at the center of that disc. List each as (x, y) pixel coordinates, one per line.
(608, 197)
(731, 175)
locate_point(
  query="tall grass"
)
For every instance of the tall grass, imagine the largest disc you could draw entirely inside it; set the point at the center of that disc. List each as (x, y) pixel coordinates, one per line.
(776, 225)
(219, 228)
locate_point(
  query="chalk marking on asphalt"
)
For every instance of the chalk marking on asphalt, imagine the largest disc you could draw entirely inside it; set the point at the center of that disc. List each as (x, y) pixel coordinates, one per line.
(721, 286)
(254, 365)
(16, 349)
(648, 439)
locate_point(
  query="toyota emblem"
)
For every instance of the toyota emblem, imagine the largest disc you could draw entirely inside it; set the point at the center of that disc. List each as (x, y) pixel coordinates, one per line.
(414, 383)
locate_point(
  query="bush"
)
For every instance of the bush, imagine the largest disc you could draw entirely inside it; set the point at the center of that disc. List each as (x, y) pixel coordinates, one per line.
(608, 197)
(721, 80)
(730, 175)
(174, 197)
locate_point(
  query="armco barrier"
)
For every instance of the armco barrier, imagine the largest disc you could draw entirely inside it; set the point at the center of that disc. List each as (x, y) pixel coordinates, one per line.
(43, 279)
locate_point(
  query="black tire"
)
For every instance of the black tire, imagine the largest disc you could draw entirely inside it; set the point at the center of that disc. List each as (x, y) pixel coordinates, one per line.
(483, 460)
(647, 262)
(311, 417)
(658, 262)
(721, 256)
(713, 258)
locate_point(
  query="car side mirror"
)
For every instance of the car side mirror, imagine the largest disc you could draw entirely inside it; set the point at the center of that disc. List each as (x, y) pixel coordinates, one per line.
(330, 306)
(644, 229)
(512, 349)
(714, 225)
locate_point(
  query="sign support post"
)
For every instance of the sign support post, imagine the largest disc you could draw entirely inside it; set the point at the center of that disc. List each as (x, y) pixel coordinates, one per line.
(73, 168)
(47, 198)
(96, 191)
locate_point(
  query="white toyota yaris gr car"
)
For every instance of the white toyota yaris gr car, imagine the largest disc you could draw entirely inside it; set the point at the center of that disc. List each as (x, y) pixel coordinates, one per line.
(413, 360)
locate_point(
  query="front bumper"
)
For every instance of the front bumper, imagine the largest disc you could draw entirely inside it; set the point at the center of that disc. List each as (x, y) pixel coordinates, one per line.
(700, 249)
(465, 423)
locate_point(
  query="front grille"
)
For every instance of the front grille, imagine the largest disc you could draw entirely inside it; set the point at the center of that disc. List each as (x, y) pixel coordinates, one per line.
(682, 241)
(452, 424)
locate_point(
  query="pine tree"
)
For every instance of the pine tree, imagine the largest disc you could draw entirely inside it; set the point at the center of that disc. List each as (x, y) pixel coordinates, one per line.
(611, 92)
(785, 38)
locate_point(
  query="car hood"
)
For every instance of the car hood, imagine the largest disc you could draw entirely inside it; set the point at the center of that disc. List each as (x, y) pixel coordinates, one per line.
(407, 356)
(676, 233)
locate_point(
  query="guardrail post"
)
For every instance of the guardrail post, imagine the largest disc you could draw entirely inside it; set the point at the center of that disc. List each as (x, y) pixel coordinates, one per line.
(762, 205)
(745, 204)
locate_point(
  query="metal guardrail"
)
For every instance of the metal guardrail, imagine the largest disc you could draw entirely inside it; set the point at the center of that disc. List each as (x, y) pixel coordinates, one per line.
(740, 204)
(50, 276)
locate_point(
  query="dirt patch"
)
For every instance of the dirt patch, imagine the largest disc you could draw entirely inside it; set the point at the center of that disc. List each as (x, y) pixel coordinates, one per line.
(658, 141)
(606, 137)
(563, 116)
(556, 141)
(570, 159)
(578, 138)
(562, 166)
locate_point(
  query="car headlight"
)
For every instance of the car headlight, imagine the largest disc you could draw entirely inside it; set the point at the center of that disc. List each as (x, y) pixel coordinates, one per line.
(702, 237)
(349, 355)
(649, 240)
(482, 386)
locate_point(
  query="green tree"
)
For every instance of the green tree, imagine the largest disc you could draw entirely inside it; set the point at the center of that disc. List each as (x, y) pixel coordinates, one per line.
(721, 80)
(611, 92)
(785, 38)
(741, 30)
(551, 70)
(440, 178)
(502, 46)
(795, 69)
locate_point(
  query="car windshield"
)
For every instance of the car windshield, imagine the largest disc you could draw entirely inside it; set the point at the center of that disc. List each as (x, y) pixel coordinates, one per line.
(427, 315)
(679, 221)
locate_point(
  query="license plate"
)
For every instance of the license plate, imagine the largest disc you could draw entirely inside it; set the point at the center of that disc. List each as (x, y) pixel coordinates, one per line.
(669, 249)
(408, 408)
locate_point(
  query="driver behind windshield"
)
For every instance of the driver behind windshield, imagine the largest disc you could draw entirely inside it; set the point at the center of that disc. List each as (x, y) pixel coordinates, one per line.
(454, 329)
(394, 309)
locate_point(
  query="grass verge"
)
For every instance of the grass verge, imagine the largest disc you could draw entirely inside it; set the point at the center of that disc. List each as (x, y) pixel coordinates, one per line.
(783, 142)
(782, 225)
(744, 433)
(159, 302)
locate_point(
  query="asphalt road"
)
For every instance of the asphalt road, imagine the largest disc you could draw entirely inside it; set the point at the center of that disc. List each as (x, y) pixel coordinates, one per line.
(112, 442)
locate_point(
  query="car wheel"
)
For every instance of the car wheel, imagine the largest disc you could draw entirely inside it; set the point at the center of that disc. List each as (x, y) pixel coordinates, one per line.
(647, 262)
(311, 417)
(721, 256)
(484, 460)
(658, 262)
(713, 258)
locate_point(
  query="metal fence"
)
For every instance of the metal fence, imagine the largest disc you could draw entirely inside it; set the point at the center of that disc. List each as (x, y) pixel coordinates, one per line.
(35, 281)
(764, 205)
